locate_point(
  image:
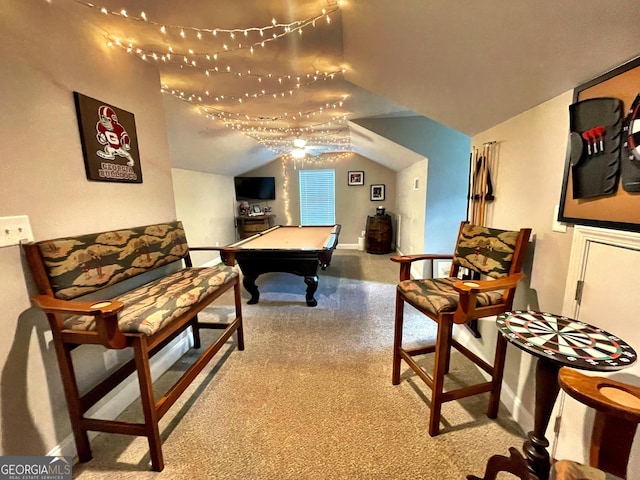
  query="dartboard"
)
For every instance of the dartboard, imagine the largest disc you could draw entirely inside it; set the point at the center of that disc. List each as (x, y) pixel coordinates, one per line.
(567, 341)
(631, 128)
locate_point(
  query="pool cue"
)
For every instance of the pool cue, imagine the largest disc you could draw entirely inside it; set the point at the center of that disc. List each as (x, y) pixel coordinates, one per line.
(474, 189)
(483, 182)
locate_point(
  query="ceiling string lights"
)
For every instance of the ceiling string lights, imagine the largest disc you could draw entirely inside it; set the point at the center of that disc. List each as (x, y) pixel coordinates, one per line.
(267, 33)
(247, 96)
(190, 50)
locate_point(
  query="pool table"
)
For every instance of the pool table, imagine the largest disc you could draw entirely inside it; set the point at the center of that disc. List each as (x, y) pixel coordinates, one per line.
(292, 249)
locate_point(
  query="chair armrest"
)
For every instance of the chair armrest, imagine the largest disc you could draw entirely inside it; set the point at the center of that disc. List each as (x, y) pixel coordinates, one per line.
(469, 289)
(419, 256)
(599, 393)
(105, 313)
(479, 286)
(405, 262)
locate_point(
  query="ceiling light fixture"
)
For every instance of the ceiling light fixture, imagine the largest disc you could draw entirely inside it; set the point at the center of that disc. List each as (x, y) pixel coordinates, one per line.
(297, 153)
(299, 142)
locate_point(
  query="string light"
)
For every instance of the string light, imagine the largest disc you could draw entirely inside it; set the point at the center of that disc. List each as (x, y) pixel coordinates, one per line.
(166, 29)
(272, 131)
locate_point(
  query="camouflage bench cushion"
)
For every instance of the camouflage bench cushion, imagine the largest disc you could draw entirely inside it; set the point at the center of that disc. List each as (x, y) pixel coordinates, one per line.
(84, 264)
(148, 308)
(438, 295)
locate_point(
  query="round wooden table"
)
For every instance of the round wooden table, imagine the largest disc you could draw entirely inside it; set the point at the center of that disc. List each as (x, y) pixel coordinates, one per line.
(556, 341)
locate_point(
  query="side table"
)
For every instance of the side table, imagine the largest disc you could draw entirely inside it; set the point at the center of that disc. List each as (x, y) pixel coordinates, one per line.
(556, 341)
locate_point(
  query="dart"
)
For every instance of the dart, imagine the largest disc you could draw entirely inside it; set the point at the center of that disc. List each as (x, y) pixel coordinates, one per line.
(599, 133)
(587, 138)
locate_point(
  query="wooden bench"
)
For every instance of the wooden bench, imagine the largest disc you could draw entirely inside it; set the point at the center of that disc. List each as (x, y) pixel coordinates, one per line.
(145, 318)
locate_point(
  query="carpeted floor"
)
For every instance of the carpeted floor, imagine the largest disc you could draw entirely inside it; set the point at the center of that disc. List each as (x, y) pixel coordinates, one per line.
(310, 397)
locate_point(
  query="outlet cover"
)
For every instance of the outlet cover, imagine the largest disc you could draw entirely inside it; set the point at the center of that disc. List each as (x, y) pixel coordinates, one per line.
(14, 230)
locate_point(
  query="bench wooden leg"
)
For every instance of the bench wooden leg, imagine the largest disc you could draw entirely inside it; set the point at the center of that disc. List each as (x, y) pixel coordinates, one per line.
(74, 405)
(195, 329)
(141, 355)
(238, 303)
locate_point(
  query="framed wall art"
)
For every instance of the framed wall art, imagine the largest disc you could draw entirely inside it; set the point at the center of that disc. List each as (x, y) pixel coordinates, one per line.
(356, 178)
(601, 181)
(377, 192)
(441, 268)
(109, 141)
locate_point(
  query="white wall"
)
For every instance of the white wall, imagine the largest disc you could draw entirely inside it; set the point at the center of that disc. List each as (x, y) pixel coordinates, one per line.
(353, 203)
(205, 203)
(411, 204)
(527, 186)
(46, 55)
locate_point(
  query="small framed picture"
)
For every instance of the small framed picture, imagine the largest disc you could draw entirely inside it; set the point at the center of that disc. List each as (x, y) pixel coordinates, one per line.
(356, 178)
(255, 208)
(441, 268)
(377, 192)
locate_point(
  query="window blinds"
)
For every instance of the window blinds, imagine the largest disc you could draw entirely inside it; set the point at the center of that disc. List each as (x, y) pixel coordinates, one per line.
(317, 197)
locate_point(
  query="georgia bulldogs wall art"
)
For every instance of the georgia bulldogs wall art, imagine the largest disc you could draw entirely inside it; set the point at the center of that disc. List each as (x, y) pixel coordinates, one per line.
(109, 141)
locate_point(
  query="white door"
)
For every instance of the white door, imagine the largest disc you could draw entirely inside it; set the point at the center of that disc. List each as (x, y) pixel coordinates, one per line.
(608, 264)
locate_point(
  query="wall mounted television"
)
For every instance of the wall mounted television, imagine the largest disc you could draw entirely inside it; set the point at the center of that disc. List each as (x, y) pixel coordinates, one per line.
(255, 188)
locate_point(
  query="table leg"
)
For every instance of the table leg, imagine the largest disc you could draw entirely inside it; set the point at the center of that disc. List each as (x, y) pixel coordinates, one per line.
(547, 388)
(249, 283)
(535, 465)
(312, 286)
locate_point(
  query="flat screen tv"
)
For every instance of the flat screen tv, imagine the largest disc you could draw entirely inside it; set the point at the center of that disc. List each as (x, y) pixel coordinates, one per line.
(255, 188)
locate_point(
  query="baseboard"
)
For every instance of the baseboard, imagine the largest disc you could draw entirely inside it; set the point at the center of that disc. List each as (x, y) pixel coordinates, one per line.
(129, 390)
(212, 263)
(514, 406)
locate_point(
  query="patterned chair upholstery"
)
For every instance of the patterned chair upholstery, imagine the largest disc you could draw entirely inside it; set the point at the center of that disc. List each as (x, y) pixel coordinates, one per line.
(496, 254)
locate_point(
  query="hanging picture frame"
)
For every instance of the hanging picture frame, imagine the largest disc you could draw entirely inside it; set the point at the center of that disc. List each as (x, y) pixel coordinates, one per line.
(377, 192)
(355, 177)
(109, 141)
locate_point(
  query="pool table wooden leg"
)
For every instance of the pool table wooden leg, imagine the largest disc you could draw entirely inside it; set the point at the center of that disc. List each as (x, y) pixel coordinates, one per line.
(249, 284)
(312, 286)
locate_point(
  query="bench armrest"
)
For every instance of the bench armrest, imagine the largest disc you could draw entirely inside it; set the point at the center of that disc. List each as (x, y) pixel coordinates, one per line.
(94, 308)
(226, 254)
(104, 312)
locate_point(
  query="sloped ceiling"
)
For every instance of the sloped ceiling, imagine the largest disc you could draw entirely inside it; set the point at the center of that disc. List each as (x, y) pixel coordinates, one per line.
(471, 65)
(468, 65)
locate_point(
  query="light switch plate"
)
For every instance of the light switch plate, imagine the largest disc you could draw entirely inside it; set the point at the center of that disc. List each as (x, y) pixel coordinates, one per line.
(14, 230)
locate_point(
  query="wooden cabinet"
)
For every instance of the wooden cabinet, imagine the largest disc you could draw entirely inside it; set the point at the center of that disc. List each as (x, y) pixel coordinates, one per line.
(248, 225)
(378, 234)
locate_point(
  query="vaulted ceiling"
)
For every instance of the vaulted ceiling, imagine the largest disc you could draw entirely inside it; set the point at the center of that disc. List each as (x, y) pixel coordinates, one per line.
(243, 79)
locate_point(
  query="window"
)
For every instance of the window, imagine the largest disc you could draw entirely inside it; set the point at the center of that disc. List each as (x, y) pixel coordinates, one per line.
(317, 197)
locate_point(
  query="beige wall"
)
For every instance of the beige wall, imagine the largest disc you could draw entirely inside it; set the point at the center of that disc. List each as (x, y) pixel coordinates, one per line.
(527, 186)
(411, 205)
(206, 205)
(46, 55)
(353, 203)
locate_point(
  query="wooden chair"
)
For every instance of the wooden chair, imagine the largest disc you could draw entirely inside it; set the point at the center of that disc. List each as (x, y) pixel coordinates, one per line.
(495, 253)
(617, 416)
